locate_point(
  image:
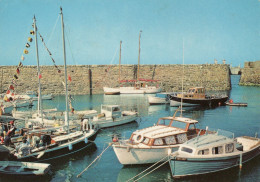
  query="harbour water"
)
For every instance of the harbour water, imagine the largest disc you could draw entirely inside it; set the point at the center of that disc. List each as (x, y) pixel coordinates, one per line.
(239, 120)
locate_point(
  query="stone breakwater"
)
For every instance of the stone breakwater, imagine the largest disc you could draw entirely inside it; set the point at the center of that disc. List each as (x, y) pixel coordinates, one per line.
(251, 74)
(92, 78)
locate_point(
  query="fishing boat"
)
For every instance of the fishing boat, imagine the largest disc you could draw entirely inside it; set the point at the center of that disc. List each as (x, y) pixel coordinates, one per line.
(197, 96)
(213, 152)
(111, 115)
(23, 168)
(159, 98)
(149, 145)
(55, 142)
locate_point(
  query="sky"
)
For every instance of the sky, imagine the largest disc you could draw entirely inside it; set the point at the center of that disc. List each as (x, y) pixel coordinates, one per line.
(206, 29)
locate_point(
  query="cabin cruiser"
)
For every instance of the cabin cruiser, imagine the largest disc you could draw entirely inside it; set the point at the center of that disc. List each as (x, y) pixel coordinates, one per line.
(149, 145)
(212, 152)
(111, 115)
(197, 96)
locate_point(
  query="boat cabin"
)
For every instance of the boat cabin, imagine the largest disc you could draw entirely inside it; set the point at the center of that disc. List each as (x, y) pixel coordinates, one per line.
(167, 131)
(210, 145)
(110, 111)
(195, 92)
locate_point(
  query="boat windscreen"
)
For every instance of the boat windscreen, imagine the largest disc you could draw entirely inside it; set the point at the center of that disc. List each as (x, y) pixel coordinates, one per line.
(179, 124)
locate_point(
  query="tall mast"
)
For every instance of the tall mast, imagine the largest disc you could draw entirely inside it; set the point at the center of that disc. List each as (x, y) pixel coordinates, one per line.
(120, 63)
(182, 73)
(38, 70)
(139, 55)
(65, 72)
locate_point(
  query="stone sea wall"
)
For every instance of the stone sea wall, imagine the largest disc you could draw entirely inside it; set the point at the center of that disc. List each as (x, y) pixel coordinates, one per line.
(87, 78)
(251, 74)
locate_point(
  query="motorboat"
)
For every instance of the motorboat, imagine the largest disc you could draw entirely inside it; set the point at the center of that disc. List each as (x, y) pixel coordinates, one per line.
(213, 152)
(111, 115)
(159, 98)
(197, 96)
(149, 145)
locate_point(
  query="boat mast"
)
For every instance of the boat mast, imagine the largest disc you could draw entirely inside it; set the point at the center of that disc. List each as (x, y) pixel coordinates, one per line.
(65, 72)
(120, 62)
(182, 73)
(139, 56)
(38, 70)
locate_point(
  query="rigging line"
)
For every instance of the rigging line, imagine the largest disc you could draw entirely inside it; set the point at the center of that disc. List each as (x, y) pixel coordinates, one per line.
(53, 29)
(67, 37)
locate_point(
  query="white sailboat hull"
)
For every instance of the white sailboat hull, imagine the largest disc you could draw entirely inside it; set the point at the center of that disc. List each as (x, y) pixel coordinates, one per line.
(110, 122)
(157, 100)
(111, 91)
(152, 90)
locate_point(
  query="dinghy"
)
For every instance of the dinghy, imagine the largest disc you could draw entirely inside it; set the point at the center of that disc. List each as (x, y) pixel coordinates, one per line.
(23, 168)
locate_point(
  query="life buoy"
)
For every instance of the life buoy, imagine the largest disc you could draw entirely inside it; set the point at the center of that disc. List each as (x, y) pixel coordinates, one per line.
(138, 138)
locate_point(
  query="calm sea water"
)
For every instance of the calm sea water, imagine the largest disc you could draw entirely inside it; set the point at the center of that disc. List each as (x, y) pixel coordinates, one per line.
(240, 120)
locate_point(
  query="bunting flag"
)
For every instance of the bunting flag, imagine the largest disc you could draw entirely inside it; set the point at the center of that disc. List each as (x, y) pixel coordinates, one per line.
(11, 87)
(20, 65)
(18, 71)
(25, 51)
(69, 78)
(14, 82)
(59, 71)
(40, 76)
(22, 58)
(30, 39)
(15, 77)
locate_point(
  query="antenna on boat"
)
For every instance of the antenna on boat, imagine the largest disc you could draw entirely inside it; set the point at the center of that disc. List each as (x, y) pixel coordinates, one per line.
(38, 70)
(120, 63)
(139, 56)
(65, 72)
(182, 73)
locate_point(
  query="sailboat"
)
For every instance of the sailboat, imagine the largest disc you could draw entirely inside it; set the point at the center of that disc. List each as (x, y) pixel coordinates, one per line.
(56, 143)
(114, 91)
(139, 86)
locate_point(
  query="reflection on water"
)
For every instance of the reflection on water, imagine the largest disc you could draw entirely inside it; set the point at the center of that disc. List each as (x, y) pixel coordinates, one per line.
(128, 172)
(239, 120)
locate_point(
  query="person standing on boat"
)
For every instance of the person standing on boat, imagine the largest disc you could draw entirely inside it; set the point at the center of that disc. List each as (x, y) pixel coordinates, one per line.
(12, 129)
(85, 124)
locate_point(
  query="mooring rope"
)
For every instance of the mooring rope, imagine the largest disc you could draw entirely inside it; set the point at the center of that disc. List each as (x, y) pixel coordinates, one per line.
(148, 168)
(153, 170)
(94, 161)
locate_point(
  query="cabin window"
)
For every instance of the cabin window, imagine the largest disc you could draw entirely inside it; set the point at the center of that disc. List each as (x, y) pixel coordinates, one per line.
(217, 150)
(182, 138)
(116, 109)
(170, 140)
(178, 124)
(192, 126)
(185, 149)
(203, 152)
(229, 148)
(158, 141)
(146, 141)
